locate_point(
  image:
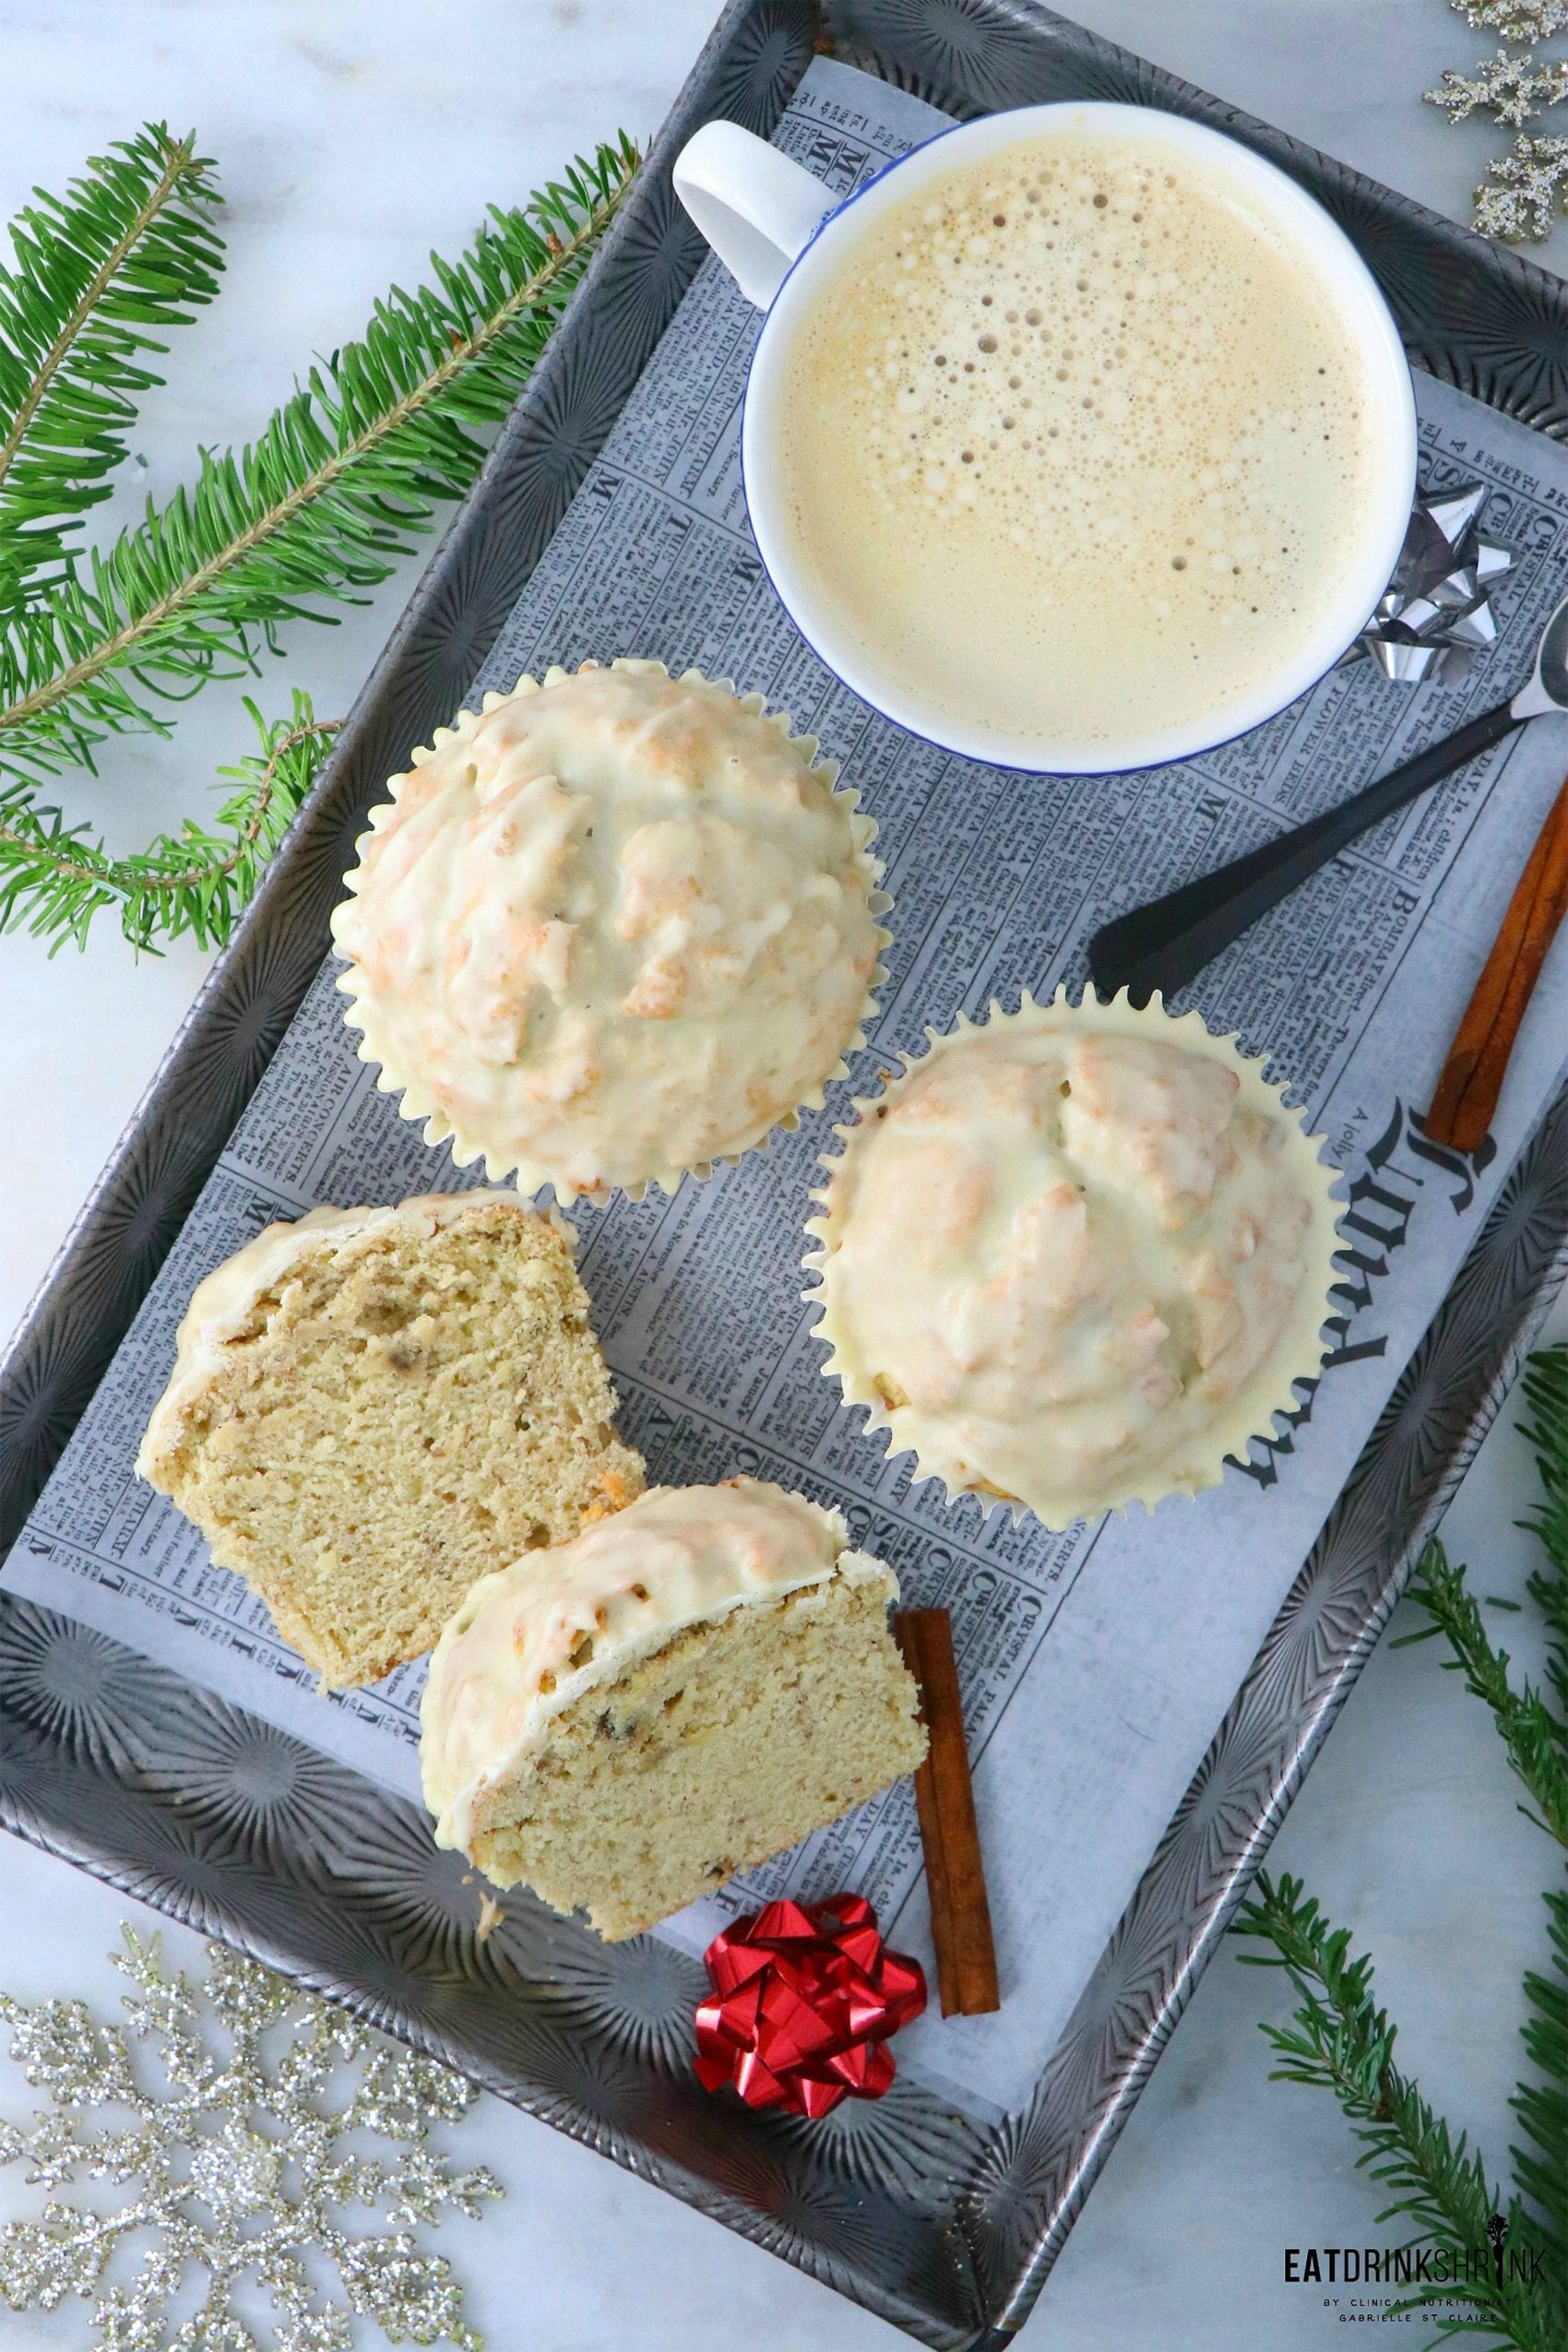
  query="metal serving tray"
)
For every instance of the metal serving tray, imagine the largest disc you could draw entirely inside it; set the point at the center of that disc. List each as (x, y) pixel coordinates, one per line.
(946, 2228)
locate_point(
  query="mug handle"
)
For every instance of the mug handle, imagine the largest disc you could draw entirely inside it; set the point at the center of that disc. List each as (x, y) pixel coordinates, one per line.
(757, 209)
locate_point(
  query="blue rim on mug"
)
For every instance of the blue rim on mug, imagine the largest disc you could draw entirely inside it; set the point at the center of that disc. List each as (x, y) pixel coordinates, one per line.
(1315, 233)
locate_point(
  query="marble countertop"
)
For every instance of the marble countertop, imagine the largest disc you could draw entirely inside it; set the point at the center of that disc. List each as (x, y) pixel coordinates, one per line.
(351, 140)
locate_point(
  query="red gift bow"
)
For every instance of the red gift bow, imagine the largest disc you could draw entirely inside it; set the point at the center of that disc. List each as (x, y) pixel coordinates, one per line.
(805, 1999)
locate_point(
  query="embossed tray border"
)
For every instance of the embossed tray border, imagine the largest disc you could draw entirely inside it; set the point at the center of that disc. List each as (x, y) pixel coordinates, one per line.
(194, 1806)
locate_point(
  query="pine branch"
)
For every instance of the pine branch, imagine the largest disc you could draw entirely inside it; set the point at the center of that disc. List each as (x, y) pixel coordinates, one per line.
(1540, 2170)
(1535, 1733)
(1545, 1388)
(320, 507)
(1343, 2043)
(1536, 1740)
(316, 512)
(196, 881)
(129, 249)
(1340, 2041)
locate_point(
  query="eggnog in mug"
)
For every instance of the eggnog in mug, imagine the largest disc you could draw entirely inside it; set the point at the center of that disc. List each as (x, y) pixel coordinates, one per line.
(1078, 440)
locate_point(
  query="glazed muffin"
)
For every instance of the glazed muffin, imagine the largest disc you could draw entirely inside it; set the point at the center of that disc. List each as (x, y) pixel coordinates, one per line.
(696, 1684)
(371, 1408)
(1075, 1257)
(614, 928)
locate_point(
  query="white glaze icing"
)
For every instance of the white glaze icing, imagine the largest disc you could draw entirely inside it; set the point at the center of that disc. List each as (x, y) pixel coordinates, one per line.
(1075, 1257)
(677, 1557)
(614, 928)
(224, 1302)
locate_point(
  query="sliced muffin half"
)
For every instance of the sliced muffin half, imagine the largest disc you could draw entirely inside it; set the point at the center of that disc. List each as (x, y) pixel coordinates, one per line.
(373, 1407)
(624, 1723)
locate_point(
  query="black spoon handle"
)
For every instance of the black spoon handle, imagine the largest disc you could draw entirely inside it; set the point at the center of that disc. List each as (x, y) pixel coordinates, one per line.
(1164, 944)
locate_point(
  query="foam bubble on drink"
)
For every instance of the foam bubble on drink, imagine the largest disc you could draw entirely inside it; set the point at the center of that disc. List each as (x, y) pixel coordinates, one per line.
(1078, 440)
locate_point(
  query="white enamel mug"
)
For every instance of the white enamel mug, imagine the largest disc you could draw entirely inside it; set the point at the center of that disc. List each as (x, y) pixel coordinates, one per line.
(785, 240)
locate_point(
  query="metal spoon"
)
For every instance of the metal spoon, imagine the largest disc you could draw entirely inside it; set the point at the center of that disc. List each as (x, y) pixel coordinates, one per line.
(1167, 943)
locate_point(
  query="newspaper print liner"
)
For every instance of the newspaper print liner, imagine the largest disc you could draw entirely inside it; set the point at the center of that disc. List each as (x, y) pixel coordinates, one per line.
(1296, 1355)
(533, 1176)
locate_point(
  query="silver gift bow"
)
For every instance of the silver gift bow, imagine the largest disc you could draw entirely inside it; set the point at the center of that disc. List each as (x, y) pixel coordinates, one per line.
(1435, 614)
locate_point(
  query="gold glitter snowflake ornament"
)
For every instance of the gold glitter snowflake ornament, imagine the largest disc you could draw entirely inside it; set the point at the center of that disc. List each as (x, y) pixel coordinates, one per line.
(1513, 88)
(1515, 20)
(1526, 192)
(239, 2164)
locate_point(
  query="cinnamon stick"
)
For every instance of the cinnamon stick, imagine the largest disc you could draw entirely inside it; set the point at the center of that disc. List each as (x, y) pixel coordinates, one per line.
(960, 1914)
(1472, 1077)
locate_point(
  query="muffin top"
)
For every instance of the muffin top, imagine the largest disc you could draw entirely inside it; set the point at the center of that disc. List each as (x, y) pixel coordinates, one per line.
(1075, 1257)
(616, 927)
(529, 1640)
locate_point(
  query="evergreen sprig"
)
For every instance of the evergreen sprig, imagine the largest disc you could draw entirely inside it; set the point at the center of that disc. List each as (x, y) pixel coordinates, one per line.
(1531, 1733)
(96, 277)
(1545, 1389)
(1340, 2040)
(196, 881)
(1541, 2106)
(314, 513)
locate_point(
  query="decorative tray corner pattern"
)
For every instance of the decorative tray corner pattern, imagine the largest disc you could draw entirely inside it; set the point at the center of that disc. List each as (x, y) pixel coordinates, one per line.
(944, 2227)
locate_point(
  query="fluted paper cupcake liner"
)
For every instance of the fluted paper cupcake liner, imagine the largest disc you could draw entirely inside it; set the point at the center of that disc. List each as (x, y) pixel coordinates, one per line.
(1296, 1354)
(533, 1175)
